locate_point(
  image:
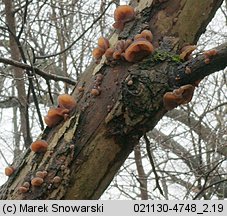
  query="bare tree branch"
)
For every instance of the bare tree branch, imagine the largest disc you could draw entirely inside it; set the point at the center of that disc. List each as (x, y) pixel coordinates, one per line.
(142, 178)
(204, 187)
(152, 164)
(81, 36)
(37, 71)
(199, 68)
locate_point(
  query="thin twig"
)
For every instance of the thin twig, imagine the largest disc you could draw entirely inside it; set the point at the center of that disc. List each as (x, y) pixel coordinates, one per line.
(24, 19)
(206, 179)
(152, 164)
(38, 71)
(74, 42)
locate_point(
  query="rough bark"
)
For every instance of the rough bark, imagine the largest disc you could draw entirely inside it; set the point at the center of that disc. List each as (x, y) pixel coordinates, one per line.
(88, 149)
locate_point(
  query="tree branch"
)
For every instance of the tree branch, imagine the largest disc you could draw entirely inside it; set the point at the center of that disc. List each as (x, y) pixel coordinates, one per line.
(204, 187)
(9, 102)
(142, 177)
(38, 71)
(153, 164)
(80, 37)
(167, 142)
(199, 69)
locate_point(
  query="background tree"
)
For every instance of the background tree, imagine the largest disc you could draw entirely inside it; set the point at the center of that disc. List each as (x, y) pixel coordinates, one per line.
(90, 147)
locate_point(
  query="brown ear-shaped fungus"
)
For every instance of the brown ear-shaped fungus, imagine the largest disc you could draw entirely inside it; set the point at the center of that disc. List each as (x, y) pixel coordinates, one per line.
(40, 174)
(187, 94)
(98, 52)
(26, 184)
(95, 92)
(138, 36)
(56, 180)
(55, 115)
(117, 55)
(37, 181)
(23, 189)
(109, 53)
(123, 14)
(39, 146)
(120, 45)
(103, 43)
(119, 49)
(127, 43)
(147, 35)
(170, 101)
(138, 50)
(66, 101)
(183, 95)
(9, 171)
(186, 51)
(99, 77)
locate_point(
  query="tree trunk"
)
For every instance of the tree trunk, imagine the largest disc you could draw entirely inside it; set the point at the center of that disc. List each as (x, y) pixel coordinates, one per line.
(87, 150)
(18, 73)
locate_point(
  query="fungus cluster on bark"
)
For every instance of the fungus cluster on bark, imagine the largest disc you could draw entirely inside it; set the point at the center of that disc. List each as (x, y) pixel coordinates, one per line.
(140, 47)
(66, 103)
(35, 181)
(131, 50)
(96, 90)
(103, 45)
(24, 188)
(41, 174)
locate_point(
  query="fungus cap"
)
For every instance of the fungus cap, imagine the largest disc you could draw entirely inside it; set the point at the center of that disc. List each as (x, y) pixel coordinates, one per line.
(123, 14)
(209, 53)
(186, 51)
(26, 184)
(95, 92)
(37, 181)
(117, 55)
(23, 189)
(40, 174)
(147, 35)
(103, 43)
(56, 180)
(109, 53)
(55, 115)
(66, 101)
(188, 91)
(98, 52)
(39, 146)
(138, 50)
(9, 171)
(170, 101)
